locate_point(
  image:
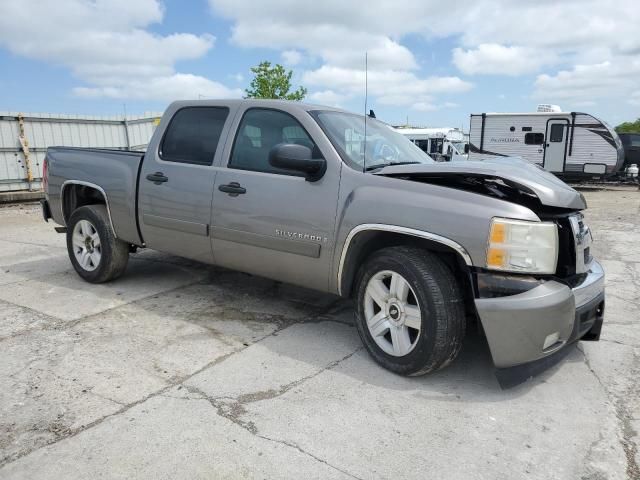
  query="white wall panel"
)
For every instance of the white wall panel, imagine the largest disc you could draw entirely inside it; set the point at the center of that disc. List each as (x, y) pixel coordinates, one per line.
(44, 130)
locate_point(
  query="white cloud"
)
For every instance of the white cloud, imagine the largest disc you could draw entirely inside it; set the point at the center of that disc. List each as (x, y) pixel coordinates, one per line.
(635, 98)
(491, 58)
(238, 77)
(291, 57)
(431, 107)
(106, 45)
(339, 34)
(328, 97)
(391, 87)
(499, 37)
(179, 86)
(379, 81)
(590, 82)
(424, 107)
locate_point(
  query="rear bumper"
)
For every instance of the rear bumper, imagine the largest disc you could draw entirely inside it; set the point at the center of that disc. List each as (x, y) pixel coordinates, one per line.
(536, 324)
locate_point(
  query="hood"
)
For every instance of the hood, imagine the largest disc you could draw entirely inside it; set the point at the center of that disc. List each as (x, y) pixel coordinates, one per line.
(509, 178)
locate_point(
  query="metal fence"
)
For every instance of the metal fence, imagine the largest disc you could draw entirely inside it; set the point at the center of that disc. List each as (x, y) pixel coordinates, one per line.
(24, 139)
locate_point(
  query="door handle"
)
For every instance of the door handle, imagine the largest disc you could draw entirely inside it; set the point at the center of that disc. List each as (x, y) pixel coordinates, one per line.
(157, 178)
(234, 189)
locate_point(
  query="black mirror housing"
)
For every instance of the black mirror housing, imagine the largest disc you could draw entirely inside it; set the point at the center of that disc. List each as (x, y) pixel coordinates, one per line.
(298, 158)
(466, 148)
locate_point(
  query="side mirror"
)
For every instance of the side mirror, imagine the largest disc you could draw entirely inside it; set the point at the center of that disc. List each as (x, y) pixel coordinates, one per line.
(466, 148)
(298, 158)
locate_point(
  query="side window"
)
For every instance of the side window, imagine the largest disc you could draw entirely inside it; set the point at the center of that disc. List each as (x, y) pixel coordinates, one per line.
(557, 132)
(259, 131)
(533, 138)
(193, 134)
(423, 144)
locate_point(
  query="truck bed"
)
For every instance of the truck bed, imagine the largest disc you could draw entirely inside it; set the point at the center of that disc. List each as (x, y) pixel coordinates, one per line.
(115, 172)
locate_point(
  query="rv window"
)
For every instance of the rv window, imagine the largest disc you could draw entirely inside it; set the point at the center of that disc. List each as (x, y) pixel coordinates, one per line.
(533, 138)
(423, 144)
(557, 132)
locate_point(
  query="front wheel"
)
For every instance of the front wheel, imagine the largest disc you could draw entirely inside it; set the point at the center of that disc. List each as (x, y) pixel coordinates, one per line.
(410, 311)
(95, 253)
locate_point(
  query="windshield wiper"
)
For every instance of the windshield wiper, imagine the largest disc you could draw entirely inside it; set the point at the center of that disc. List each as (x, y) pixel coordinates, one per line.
(382, 165)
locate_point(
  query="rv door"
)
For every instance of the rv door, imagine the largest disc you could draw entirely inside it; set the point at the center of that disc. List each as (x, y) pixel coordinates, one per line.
(555, 150)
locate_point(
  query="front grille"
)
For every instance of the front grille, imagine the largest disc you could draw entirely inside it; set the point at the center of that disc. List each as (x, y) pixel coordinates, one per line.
(574, 249)
(582, 242)
(566, 249)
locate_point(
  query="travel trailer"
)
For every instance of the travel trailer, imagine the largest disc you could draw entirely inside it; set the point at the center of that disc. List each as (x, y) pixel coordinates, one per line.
(442, 144)
(568, 144)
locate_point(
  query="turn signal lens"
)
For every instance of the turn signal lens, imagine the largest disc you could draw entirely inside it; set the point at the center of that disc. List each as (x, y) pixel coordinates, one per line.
(496, 257)
(521, 246)
(498, 233)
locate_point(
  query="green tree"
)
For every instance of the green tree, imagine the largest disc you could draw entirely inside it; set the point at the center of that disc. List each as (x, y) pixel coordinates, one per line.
(629, 127)
(273, 82)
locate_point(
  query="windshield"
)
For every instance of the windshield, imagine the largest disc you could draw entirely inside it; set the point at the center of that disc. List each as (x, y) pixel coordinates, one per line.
(459, 147)
(382, 147)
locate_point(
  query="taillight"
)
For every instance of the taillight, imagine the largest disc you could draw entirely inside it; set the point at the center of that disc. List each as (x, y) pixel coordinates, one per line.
(45, 175)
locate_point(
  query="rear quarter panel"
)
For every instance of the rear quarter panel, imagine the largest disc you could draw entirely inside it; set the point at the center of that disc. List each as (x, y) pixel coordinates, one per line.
(114, 171)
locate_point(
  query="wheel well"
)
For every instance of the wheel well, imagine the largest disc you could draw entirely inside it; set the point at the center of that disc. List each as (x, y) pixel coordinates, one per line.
(77, 195)
(365, 243)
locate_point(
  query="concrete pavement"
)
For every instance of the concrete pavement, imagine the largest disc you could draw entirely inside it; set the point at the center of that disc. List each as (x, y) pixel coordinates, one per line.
(181, 370)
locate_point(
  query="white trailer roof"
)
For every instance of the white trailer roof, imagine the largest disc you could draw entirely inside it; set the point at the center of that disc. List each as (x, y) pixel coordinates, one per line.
(534, 114)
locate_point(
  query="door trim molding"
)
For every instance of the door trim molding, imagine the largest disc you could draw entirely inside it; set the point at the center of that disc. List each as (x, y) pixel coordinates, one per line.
(269, 242)
(174, 224)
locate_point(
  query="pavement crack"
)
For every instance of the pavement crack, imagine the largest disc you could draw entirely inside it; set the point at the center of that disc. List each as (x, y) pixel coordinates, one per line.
(309, 454)
(70, 433)
(623, 414)
(178, 381)
(234, 408)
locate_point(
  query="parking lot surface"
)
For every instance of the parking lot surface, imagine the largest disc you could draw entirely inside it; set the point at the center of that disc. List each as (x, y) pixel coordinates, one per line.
(182, 370)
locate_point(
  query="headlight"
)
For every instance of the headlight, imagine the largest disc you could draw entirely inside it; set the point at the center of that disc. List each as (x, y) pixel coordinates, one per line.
(520, 246)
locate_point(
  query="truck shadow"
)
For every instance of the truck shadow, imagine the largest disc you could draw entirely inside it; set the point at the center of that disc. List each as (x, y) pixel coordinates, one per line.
(470, 376)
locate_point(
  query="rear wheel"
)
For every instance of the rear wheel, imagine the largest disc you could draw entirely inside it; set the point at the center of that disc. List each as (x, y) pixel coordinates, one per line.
(95, 253)
(410, 312)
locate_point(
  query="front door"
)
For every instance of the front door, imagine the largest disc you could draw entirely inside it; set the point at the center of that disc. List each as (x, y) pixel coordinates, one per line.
(271, 222)
(176, 183)
(555, 146)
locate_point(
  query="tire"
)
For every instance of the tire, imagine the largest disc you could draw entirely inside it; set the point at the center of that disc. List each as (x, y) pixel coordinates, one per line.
(410, 342)
(96, 254)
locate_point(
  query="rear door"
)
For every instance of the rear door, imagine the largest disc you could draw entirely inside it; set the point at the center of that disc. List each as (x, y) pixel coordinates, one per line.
(556, 144)
(176, 182)
(271, 222)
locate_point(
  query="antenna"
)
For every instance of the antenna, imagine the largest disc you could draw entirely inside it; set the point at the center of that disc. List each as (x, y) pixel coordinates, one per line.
(366, 85)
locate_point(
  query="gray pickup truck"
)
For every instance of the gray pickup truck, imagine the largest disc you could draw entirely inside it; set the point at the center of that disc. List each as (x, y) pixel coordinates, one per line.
(340, 203)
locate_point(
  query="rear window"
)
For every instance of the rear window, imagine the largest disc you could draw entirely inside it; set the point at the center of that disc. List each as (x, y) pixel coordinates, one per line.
(193, 135)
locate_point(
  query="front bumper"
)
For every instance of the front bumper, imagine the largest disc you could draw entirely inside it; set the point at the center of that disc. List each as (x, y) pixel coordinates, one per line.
(536, 324)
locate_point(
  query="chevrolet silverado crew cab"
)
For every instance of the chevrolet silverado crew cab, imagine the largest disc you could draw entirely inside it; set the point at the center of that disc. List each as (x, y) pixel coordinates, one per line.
(338, 202)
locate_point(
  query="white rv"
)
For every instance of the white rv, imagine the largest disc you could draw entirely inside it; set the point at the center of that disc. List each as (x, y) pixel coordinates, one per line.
(569, 144)
(442, 144)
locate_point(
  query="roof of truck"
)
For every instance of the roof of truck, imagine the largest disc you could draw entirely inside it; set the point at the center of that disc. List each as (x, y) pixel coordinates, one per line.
(255, 102)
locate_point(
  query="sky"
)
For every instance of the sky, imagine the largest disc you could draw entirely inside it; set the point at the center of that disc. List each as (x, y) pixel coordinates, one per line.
(430, 63)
